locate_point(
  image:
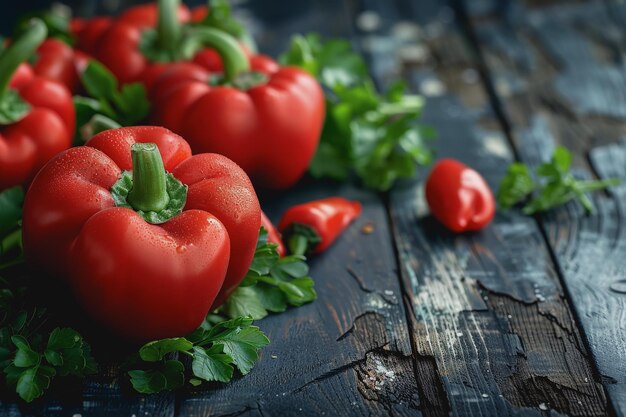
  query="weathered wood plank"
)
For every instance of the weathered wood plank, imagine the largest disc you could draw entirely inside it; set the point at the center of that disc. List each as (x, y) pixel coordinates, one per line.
(491, 329)
(349, 352)
(575, 95)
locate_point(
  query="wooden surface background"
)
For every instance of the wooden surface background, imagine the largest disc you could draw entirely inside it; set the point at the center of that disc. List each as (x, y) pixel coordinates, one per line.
(527, 317)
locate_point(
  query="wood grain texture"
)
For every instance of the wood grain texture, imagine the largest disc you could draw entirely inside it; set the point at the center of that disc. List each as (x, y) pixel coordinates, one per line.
(573, 94)
(491, 328)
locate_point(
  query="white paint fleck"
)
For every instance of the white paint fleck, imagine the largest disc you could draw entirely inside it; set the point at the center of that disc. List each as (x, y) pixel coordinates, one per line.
(406, 31)
(368, 21)
(274, 356)
(432, 87)
(485, 395)
(459, 334)
(586, 379)
(510, 316)
(543, 406)
(414, 53)
(496, 145)
(388, 292)
(77, 415)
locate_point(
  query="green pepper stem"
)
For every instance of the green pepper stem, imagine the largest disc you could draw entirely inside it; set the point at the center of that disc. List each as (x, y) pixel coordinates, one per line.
(298, 244)
(233, 57)
(19, 51)
(149, 192)
(168, 26)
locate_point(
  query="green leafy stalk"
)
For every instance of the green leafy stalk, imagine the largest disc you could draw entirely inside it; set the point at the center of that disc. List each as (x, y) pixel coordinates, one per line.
(372, 135)
(555, 186)
(30, 356)
(220, 16)
(107, 106)
(272, 284)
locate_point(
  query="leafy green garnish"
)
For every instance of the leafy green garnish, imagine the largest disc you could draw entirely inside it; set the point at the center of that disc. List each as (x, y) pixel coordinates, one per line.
(215, 351)
(555, 186)
(272, 283)
(108, 106)
(220, 16)
(372, 135)
(10, 208)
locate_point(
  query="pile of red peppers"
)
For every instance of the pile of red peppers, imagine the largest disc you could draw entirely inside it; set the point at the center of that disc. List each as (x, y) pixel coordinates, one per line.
(154, 226)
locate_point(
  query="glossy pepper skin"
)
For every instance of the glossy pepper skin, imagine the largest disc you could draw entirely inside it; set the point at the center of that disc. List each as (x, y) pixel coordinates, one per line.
(283, 110)
(323, 220)
(118, 46)
(272, 234)
(57, 61)
(46, 127)
(459, 197)
(145, 281)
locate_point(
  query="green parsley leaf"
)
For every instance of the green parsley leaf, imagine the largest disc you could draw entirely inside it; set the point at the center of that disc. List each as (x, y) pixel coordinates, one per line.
(243, 345)
(32, 383)
(212, 364)
(155, 351)
(373, 135)
(11, 201)
(555, 186)
(169, 376)
(24, 357)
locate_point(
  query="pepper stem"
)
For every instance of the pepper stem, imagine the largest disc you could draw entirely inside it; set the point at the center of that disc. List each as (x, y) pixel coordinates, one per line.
(149, 192)
(168, 26)
(298, 244)
(233, 57)
(19, 51)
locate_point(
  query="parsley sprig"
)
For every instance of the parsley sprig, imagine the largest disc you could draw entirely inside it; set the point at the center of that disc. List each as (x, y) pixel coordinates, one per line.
(272, 284)
(215, 351)
(555, 185)
(30, 355)
(373, 135)
(108, 106)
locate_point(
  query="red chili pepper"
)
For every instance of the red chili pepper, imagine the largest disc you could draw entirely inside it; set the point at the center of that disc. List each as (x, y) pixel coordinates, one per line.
(312, 227)
(252, 112)
(37, 120)
(147, 253)
(272, 234)
(459, 197)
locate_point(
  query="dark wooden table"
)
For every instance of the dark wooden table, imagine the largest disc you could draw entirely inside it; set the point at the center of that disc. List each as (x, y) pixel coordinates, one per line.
(527, 317)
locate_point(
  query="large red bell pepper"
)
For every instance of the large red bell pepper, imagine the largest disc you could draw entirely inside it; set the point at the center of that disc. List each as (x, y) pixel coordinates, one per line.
(266, 118)
(37, 115)
(459, 197)
(146, 253)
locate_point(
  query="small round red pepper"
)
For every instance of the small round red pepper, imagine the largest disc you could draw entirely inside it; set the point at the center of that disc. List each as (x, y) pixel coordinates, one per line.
(266, 118)
(149, 237)
(312, 227)
(272, 234)
(37, 118)
(459, 197)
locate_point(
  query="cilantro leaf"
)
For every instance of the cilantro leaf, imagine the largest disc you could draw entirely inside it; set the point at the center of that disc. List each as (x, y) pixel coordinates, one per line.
(555, 186)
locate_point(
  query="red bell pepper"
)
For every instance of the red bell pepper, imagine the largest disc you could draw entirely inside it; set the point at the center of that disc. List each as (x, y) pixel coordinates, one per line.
(268, 120)
(459, 197)
(143, 37)
(149, 237)
(37, 118)
(57, 61)
(272, 234)
(312, 227)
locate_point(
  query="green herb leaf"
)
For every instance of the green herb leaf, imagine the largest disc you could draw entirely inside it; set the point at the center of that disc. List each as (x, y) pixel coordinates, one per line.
(373, 135)
(220, 16)
(155, 351)
(169, 376)
(24, 357)
(33, 382)
(11, 201)
(556, 185)
(243, 345)
(212, 364)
